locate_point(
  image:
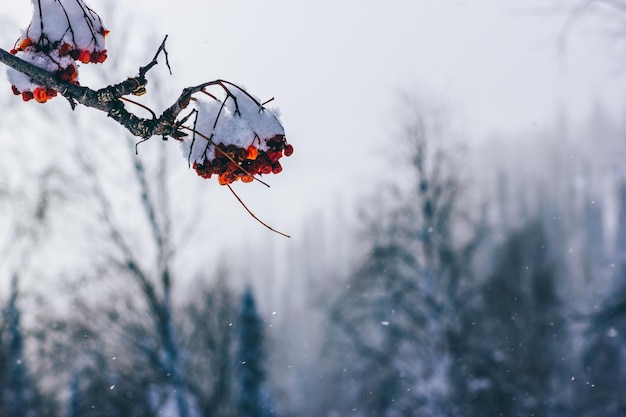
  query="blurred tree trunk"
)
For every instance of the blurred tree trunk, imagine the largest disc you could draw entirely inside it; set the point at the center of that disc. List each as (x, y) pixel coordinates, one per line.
(400, 310)
(17, 387)
(156, 291)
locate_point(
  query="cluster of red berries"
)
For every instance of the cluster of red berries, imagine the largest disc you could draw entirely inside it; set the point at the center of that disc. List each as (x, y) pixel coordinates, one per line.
(62, 58)
(40, 94)
(232, 163)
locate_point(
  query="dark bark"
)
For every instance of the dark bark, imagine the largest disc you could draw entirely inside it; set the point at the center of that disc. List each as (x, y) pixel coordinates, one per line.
(110, 98)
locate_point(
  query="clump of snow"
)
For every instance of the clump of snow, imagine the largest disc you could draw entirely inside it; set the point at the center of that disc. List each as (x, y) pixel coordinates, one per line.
(235, 138)
(61, 34)
(66, 21)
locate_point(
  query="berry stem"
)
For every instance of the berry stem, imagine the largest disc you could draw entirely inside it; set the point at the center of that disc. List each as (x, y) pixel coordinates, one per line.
(253, 215)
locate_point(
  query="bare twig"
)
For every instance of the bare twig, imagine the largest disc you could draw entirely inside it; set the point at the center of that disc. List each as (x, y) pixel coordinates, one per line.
(109, 99)
(253, 215)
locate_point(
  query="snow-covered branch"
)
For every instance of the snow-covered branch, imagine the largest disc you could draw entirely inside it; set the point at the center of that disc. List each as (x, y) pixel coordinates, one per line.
(227, 132)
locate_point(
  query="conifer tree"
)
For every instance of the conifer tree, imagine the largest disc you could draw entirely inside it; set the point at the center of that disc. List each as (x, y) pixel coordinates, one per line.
(250, 356)
(17, 392)
(74, 400)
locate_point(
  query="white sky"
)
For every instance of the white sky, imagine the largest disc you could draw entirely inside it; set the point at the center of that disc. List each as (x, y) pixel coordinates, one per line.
(336, 68)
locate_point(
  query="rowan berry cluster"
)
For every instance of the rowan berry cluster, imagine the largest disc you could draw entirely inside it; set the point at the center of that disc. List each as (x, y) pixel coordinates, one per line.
(61, 34)
(234, 137)
(232, 163)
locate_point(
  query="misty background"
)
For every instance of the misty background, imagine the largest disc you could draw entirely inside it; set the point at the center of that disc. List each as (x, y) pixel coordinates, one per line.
(457, 201)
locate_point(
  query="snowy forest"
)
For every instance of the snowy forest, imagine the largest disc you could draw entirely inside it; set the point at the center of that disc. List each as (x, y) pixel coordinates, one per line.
(477, 278)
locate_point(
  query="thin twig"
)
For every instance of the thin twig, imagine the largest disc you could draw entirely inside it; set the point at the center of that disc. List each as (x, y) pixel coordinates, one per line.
(154, 116)
(252, 214)
(144, 70)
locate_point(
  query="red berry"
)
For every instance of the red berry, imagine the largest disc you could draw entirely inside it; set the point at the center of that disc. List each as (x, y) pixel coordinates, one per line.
(288, 150)
(40, 95)
(224, 179)
(25, 43)
(13, 51)
(102, 57)
(252, 152)
(274, 155)
(27, 95)
(65, 49)
(68, 74)
(84, 56)
(98, 57)
(276, 168)
(72, 72)
(15, 90)
(64, 75)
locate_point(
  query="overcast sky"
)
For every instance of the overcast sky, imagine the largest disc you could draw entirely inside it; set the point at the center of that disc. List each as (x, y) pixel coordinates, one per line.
(336, 69)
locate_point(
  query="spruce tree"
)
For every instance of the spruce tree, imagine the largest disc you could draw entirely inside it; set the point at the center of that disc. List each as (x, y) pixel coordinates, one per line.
(17, 393)
(250, 357)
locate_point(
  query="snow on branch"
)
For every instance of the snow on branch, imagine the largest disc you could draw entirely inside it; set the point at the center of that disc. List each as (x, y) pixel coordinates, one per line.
(224, 130)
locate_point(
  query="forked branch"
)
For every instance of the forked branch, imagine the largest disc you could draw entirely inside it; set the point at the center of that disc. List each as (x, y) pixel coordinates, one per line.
(232, 135)
(108, 99)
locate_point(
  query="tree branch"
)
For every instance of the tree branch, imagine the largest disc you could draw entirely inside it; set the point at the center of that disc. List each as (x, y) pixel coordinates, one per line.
(108, 99)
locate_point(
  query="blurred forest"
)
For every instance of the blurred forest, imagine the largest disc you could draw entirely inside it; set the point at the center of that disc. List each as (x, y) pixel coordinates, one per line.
(482, 279)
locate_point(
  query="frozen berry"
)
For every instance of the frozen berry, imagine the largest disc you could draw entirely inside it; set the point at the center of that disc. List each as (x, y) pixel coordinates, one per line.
(225, 178)
(84, 56)
(68, 74)
(40, 95)
(98, 57)
(276, 168)
(274, 155)
(252, 152)
(25, 43)
(65, 49)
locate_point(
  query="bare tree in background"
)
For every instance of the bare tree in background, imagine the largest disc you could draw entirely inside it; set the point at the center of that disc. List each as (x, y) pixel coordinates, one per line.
(176, 356)
(610, 13)
(30, 212)
(207, 324)
(154, 284)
